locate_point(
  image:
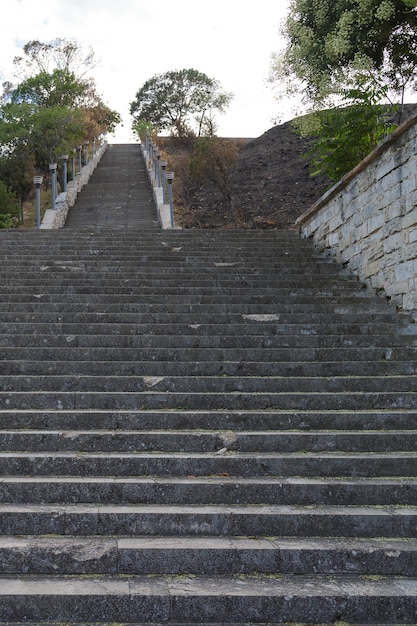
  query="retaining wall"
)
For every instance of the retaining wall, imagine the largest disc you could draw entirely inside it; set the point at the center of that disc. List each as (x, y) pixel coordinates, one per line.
(56, 218)
(368, 220)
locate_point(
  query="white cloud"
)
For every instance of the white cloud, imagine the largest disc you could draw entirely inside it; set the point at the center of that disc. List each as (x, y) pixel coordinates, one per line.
(228, 40)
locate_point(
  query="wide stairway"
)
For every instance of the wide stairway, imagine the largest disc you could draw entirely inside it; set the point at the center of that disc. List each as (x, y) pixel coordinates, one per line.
(201, 427)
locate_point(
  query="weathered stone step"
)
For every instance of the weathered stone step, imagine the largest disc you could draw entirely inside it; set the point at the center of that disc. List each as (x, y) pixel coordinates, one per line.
(246, 465)
(129, 289)
(210, 384)
(125, 351)
(171, 623)
(210, 555)
(208, 441)
(154, 399)
(261, 335)
(152, 368)
(53, 253)
(306, 297)
(208, 599)
(208, 520)
(290, 490)
(195, 316)
(391, 419)
(172, 275)
(73, 289)
(272, 309)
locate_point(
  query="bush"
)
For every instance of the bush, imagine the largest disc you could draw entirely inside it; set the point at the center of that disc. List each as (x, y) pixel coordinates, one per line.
(9, 208)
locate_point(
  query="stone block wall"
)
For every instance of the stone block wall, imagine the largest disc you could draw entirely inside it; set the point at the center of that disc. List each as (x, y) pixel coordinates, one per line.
(54, 219)
(368, 220)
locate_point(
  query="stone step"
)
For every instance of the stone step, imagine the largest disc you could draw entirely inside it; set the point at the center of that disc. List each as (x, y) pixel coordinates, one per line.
(68, 286)
(219, 384)
(180, 304)
(334, 464)
(150, 368)
(237, 400)
(226, 490)
(208, 441)
(210, 316)
(304, 420)
(208, 520)
(258, 335)
(206, 555)
(188, 294)
(203, 599)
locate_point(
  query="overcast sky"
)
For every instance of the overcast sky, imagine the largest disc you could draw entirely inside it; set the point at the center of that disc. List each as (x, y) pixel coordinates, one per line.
(229, 40)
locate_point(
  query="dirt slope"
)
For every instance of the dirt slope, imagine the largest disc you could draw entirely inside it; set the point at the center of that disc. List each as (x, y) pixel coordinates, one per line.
(271, 186)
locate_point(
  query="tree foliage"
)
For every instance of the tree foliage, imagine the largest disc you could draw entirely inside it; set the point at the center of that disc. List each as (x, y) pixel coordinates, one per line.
(9, 207)
(346, 135)
(50, 110)
(182, 102)
(330, 41)
(354, 54)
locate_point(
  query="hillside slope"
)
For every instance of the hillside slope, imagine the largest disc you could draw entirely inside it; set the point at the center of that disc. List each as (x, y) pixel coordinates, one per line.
(271, 184)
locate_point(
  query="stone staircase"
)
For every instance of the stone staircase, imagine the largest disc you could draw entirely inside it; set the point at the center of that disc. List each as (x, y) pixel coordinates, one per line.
(118, 196)
(201, 427)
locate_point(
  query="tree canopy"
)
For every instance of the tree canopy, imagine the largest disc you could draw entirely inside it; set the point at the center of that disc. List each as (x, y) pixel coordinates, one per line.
(52, 108)
(61, 54)
(182, 102)
(357, 55)
(332, 42)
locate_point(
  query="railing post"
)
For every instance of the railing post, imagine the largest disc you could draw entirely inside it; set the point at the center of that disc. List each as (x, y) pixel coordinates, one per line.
(80, 158)
(52, 167)
(170, 178)
(158, 165)
(65, 157)
(38, 182)
(163, 167)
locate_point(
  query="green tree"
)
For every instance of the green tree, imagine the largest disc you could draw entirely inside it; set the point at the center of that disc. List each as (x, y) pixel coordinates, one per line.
(17, 171)
(328, 42)
(346, 135)
(52, 109)
(9, 207)
(354, 54)
(182, 102)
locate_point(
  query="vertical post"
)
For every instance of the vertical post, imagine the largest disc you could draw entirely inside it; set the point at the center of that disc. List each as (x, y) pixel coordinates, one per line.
(86, 152)
(94, 147)
(38, 182)
(52, 167)
(73, 163)
(170, 178)
(155, 152)
(80, 158)
(150, 154)
(65, 157)
(158, 165)
(163, 167)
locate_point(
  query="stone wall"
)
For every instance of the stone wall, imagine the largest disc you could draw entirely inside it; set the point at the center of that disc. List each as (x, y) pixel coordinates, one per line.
(368, 220)
(54, 219)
